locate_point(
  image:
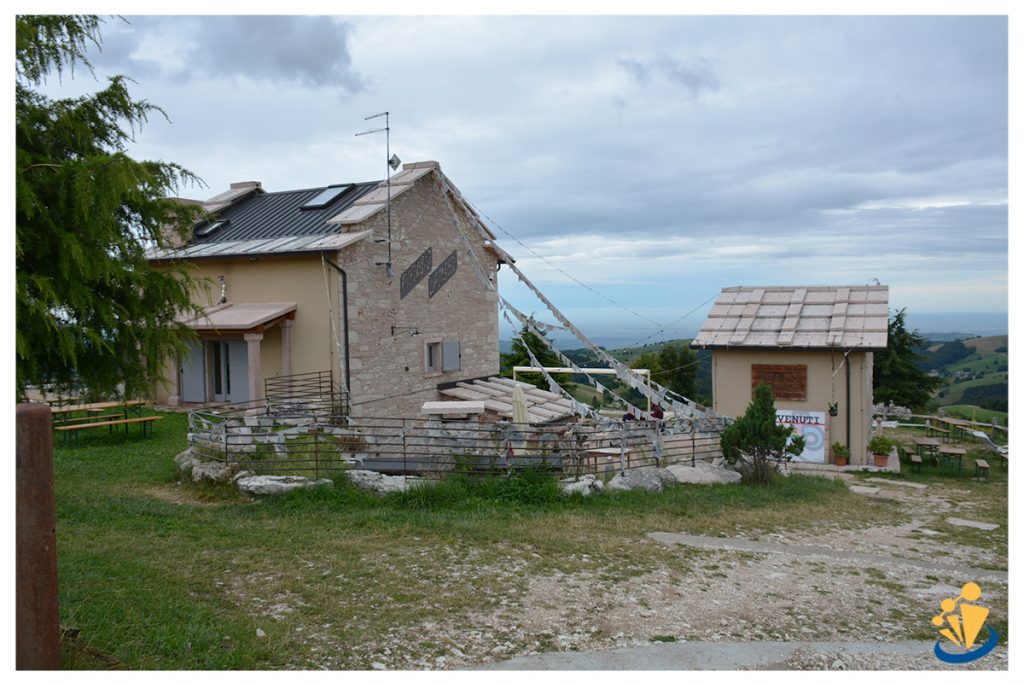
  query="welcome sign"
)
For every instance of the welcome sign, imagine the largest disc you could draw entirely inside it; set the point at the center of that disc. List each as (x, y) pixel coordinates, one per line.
(811, 425)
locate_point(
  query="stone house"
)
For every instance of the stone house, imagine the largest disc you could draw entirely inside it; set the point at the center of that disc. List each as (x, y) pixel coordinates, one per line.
(813, 345)
(390, 301)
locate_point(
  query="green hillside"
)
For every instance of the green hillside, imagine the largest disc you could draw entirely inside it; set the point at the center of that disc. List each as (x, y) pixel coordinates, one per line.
(976, 372)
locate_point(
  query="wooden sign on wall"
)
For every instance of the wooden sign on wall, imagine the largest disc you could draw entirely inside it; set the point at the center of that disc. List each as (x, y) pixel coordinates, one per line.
(788, 382)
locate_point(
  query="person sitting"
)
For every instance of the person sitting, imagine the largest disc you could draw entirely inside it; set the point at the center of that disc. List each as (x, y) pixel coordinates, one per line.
(657, 413)
(629, 415)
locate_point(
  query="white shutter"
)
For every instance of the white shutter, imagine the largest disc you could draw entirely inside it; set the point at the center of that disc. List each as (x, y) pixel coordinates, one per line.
(451, 356)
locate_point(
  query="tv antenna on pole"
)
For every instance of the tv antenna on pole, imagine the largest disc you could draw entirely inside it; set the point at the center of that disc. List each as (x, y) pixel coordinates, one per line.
(392, 164)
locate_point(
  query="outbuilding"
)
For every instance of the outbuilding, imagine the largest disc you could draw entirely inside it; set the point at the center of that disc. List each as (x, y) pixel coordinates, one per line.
(813, 345)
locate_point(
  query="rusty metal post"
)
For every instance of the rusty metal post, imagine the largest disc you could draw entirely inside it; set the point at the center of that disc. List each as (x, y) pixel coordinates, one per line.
(37, 620)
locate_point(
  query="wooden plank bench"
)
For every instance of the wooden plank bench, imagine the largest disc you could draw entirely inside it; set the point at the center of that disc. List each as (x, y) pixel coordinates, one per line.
(980, 469)
(88, 418)
(915, 462)
(143, 422)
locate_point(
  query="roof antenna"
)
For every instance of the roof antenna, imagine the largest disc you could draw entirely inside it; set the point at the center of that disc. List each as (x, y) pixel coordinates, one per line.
(392, 162)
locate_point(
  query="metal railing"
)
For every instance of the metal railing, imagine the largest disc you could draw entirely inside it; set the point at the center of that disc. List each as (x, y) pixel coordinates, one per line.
(290, 437)
(306, 391)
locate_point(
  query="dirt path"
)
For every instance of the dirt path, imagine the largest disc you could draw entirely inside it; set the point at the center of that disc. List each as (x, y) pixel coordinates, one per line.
(729, 656)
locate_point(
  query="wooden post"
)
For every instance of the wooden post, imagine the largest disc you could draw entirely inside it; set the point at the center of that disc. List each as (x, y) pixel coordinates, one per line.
(37, 619)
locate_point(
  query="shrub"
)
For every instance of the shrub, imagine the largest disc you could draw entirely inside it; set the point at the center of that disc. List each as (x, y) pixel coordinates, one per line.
(755, 444)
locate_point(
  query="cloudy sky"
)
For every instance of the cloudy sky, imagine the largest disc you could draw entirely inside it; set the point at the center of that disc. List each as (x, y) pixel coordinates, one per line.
(655, 159)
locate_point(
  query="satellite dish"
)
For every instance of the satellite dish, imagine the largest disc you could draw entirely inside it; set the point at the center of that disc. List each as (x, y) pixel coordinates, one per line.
(394, 162)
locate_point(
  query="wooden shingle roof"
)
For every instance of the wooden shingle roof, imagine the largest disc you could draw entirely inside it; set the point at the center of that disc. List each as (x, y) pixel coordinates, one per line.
(842, 317)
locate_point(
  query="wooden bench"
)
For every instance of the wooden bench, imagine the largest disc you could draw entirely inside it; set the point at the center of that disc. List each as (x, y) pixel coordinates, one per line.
(88, 418)
(143, 423)
(915, 462)
(980, 469)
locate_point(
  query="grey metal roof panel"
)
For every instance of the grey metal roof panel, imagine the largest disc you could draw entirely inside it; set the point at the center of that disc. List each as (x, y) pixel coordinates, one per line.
(280, 214)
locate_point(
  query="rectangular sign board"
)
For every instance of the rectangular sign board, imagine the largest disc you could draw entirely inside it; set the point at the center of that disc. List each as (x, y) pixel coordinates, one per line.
(412, 275)
(811, 425)
(443, 273)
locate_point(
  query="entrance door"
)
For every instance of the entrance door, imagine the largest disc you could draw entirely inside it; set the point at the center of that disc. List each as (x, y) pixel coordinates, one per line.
(193, 374)
(230, 371)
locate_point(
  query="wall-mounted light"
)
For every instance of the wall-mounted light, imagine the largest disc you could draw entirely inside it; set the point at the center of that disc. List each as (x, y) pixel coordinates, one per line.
(397, 328)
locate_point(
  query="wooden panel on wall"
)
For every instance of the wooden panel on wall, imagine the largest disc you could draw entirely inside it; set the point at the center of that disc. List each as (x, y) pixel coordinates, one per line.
(788, 382)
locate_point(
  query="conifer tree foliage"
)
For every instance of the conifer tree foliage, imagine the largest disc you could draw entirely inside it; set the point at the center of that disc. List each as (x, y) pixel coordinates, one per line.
(91, 312)
(754, 444)
(541, 351)
(674, 366)
(897, 378)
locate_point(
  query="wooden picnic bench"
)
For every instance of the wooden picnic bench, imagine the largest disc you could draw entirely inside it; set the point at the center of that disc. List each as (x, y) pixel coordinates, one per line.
(950, 452)
(143, 422)
(927, 446)
(980, 468)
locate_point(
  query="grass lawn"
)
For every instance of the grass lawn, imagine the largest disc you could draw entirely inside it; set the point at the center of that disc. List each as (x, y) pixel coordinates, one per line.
(162, 574)
(975, 413)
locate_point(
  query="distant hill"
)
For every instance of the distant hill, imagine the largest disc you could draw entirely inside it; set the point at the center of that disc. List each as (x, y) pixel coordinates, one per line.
(976, 370)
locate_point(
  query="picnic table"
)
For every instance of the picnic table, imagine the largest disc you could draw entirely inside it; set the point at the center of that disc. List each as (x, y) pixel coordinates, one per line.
(958, 429)
(927, 446)
(100, 414)
(950, 452)
(124, 407)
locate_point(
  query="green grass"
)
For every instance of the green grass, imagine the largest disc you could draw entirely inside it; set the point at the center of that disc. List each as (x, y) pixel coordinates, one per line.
(975, 413)
(956, 390)
(162, 574)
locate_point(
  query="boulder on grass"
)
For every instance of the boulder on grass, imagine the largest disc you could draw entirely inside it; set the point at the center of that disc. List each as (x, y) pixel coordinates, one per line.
(211, 471)
(271, 485)
(586, 485)
(382, 483)
(703, 473)
(646, 478)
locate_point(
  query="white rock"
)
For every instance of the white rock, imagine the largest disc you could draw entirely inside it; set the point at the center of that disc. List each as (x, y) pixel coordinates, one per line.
(646, 478)
(267, 485)
(703, 473)
(587, 484)
(260, 633)
(865, 490)
(211, 471)
(984, 526)
(375, 481)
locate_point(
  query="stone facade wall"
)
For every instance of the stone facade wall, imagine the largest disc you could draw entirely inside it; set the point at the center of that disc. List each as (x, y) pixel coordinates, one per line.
(389, 375)
(388, 371)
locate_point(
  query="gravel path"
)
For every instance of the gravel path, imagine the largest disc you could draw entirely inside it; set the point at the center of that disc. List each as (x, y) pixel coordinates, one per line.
(727, 656)
(822, 552)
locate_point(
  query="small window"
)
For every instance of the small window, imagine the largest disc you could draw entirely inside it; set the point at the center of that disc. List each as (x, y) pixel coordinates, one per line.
(432, 361)
(442, 357)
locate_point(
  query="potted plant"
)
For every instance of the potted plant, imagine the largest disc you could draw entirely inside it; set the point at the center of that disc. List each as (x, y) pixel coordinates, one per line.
(841, 454)
(880, 447)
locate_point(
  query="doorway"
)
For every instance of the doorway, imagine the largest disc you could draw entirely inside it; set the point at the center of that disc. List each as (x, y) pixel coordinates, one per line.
(229, 367)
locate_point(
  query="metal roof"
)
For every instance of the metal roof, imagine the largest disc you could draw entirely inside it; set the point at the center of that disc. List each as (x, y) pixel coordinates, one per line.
(278, 214)
(841, 317)
(255, 247)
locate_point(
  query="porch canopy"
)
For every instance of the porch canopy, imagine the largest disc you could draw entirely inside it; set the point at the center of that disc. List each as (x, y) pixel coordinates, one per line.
(250, 321)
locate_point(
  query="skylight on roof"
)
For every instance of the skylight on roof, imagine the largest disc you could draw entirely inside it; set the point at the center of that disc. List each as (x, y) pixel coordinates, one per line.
(210, 228)
(326, 197)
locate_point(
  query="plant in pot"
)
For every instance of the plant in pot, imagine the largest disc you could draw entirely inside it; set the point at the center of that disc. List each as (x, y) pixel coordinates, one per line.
(880, 447)
(841, 454)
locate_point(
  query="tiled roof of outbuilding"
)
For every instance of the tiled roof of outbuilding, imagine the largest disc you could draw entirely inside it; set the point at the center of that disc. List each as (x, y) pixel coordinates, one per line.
(843, 317)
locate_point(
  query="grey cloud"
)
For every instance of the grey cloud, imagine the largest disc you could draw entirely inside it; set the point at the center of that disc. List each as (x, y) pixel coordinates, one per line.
(301, 50)
(695, 75)
(306, 50)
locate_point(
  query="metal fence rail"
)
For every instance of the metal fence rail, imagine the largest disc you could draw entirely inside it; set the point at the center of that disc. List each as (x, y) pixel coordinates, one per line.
(310, 391)
(296, 437)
